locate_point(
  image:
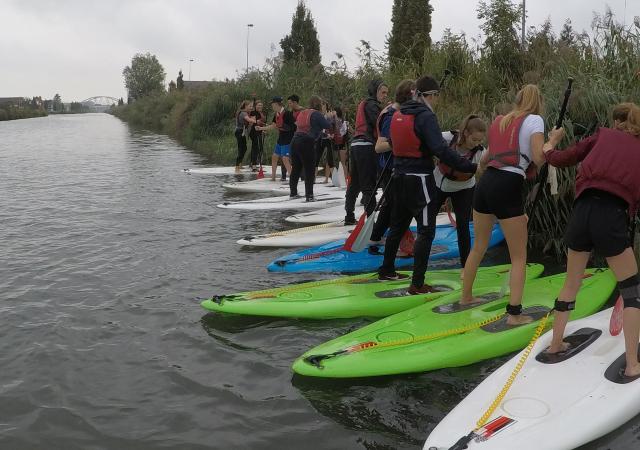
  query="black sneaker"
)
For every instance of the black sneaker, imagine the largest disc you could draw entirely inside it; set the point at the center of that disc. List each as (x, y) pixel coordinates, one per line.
(294, 196)
(349, 219)
(375, 250)
(310, 199)
(395, 276)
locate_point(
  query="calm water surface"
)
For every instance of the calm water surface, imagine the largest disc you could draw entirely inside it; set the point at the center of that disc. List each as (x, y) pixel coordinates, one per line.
(107, 248)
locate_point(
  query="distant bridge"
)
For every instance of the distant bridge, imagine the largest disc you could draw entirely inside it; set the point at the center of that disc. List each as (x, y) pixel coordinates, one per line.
(99, 103)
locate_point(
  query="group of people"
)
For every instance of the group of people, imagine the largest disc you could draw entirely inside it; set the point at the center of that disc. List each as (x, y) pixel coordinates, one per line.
(401, 149)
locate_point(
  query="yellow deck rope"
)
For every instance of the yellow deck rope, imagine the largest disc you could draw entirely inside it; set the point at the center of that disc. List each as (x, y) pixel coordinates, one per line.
(437, 335)
(269, 293)
(301, 230)
(516, 370)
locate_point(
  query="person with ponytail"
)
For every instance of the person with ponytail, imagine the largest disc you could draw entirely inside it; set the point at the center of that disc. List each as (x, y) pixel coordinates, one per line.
(256, 133)
(607, 198)
(515, 149)
(309, 125)
(459, 186)
(243, 121)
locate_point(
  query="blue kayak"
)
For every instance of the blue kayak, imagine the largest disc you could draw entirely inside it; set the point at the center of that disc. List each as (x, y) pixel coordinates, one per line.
(332, 257)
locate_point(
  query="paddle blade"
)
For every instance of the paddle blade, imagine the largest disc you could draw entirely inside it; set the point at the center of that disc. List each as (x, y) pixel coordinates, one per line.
(348, 244)
(361, 241)
(407, 242)
(260, 173)
(615, 323)
(335, 177)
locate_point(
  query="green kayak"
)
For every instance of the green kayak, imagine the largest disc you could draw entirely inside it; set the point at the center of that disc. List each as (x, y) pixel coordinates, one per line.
(445, 334)
(355, 296)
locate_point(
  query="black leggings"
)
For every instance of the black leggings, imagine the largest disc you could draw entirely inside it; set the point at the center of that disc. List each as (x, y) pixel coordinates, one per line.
(321, 146)
(363, 170)
(242, 146)
(257, 141)
(409, 203)
(302, 158)
(462, 202)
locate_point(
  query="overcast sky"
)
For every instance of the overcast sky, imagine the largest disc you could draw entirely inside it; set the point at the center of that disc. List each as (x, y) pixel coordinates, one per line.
(78, 48)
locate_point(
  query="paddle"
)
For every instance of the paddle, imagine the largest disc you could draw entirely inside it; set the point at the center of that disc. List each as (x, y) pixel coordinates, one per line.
(544, 172)
(364, 220)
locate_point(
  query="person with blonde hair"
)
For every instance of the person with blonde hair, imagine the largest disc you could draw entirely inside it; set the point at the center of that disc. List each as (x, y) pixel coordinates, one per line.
(607, 197)
(243, 122)
(515, 149)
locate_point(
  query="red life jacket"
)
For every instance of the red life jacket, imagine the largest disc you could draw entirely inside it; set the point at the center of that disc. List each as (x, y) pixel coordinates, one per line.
(280, 120)
(361, 126)
(296, 112)
(405, 143)
(504, 146)
(303, 121)
(449, 172)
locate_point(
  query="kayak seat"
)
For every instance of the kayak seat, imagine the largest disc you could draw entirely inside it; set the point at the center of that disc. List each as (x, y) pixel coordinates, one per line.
(615, 372)
(578, 341)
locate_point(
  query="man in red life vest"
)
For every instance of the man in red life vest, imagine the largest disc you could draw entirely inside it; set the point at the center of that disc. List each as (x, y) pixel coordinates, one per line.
(415, 139)
(364, 161)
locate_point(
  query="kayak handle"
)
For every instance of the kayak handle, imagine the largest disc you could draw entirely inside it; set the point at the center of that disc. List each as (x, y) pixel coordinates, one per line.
(316, 360)
(463, 442)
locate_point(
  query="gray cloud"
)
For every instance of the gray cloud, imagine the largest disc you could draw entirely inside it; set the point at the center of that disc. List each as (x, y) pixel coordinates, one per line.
(79, 47)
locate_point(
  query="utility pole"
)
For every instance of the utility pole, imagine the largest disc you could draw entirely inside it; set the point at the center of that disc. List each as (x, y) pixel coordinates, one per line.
(190, 61)
(524, 20)
(249, 26)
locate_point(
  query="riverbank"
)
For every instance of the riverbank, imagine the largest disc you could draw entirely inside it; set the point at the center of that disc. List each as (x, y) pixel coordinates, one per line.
(20, 113)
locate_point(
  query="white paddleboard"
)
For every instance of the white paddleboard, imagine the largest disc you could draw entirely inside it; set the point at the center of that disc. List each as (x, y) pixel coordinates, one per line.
(282, 202)
(552, 405)
(318, 188)
(219, 170)
(263, 185)
(326, 215)
(300, 237)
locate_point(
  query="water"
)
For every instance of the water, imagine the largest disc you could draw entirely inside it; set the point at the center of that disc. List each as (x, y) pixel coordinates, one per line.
(106, 249)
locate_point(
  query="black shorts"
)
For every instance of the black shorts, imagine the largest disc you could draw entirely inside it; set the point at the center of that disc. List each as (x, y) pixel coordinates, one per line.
(599, 221)
(500, 193)
(341, 146)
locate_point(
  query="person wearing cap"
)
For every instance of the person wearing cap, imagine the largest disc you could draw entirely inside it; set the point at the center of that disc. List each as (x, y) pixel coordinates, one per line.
(364, 162)
(285, 123)
(415, 139)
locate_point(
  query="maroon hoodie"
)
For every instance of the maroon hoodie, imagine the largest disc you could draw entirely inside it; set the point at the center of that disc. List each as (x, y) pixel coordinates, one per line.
(610, 162)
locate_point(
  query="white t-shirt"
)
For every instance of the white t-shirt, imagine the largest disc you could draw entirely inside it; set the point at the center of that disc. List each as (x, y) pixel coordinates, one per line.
(447, 185)
(532, 124)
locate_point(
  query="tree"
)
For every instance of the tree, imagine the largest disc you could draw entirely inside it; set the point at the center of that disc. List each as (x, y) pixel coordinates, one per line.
(57, 103)
(410, 31)
(121, 101)
(502, 46)
(145, 76)
(567, 35)
(302, 44)
(179, 80)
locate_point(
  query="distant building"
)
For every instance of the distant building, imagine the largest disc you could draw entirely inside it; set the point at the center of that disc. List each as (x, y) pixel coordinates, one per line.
(12, 101)
(172, 86)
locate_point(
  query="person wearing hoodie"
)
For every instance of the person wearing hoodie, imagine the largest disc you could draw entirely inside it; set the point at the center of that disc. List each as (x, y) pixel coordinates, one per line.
(415, 139)
(364, 162)
(309, 125)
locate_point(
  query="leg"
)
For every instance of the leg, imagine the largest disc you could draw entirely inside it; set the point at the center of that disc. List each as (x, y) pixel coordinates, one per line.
(242, 147)
(368, 172)
(625, 269)
(354, 188)
(482, 226)
(286, 167)
(343, 160)
(515, 233)
(576, 263)
(296, 161)
(255, 148)
(462, 201)
(400, 220)
(308, 161)
(426, 232)
(274, 165)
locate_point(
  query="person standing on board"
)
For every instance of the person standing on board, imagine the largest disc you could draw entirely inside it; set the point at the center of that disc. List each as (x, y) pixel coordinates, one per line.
(309, 126)
(340, 133)
(404, 93)
(256, 135)
(243, 121)
(514, 151)
(364, 163)
(607, 197)
(284, 122)
(415, 139)
(325, 143)
(459, 186)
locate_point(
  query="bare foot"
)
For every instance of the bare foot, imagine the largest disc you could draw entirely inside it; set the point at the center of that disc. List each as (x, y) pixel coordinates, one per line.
(632, 371)
(518, 320)
(471, 301)
(237, 169)
(273, 178)
(563, 347)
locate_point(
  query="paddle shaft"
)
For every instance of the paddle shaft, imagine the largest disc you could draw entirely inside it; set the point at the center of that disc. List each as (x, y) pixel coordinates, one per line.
(544, 172)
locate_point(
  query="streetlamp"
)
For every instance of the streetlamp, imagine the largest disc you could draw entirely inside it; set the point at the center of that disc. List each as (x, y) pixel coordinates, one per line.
(249, 26)
(190, 61)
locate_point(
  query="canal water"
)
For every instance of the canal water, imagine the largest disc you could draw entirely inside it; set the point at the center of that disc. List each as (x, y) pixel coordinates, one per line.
(107, 249)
